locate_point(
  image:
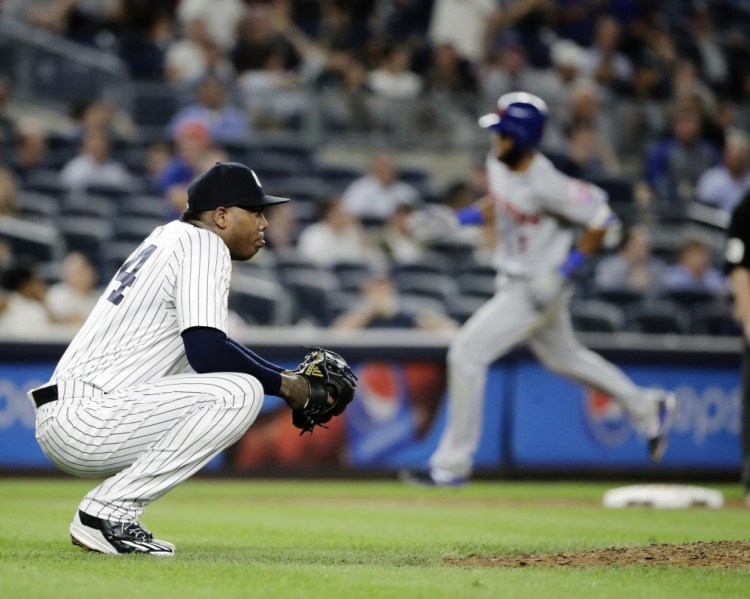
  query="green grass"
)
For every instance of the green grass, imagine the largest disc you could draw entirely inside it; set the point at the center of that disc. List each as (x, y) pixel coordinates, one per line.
(315, 539)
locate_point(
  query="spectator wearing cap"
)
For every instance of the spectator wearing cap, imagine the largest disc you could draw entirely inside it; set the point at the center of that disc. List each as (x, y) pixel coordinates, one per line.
(377, 194)
(223, 121)
(194, 153)
(725, 184)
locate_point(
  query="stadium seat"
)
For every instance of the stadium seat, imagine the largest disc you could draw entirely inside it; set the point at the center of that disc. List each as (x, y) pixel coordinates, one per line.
(311, 291)
(154, 105)
(689, 298)
(338, 177)
(114, 192)
(594, 316)
(342, 302)
(87, 206)
(461, 307)
(37, 241)
(427, 265)
(112, 255)
(476, 285)
(135, 228)
(619, 296)
(46, 182)
(714, 319)
(455, 252)
(430, 285)
(419, 304)
(38, 207)
(351, 275)
(261, 302)
(152, 207)
(659, 317)
(415, 177)
(85, 235)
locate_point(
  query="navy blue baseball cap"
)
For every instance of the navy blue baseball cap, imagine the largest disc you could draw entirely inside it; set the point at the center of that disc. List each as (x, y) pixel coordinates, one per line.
(228, 184)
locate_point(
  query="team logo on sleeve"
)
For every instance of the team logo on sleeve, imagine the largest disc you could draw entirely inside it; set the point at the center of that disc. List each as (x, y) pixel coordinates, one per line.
(580, 192)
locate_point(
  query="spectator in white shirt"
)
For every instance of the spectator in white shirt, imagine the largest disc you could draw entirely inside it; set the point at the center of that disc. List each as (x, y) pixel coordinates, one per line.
(74, 297)
(94, 165)
(335, 237)
(393, 79)
(376, 195)
(24, 313)
(724, 185)
(221, 16)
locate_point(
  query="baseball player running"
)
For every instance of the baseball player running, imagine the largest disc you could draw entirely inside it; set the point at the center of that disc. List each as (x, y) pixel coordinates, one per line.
(537, 210)
(151, 388)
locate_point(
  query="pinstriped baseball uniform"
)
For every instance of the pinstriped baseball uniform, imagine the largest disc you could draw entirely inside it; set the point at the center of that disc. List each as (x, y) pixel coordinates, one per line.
(129, 403)
(537, 214)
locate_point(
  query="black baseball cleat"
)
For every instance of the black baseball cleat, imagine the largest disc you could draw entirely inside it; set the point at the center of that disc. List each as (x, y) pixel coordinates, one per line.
(425, 478)
(114, 538)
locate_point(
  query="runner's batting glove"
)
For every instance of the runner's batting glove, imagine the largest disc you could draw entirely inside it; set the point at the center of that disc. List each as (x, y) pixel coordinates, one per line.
(547, 287)
(326, 373)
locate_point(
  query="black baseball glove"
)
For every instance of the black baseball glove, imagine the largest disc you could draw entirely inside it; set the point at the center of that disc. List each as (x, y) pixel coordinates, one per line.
(326, 373)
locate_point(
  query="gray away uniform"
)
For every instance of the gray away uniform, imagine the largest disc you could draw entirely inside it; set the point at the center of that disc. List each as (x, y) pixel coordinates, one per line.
(537, 214)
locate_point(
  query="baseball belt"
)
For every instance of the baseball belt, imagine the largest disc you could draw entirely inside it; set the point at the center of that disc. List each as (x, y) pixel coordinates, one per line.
(44, 395)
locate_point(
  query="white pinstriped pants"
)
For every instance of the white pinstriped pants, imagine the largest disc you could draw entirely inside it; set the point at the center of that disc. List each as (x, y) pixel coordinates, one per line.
(151, 437)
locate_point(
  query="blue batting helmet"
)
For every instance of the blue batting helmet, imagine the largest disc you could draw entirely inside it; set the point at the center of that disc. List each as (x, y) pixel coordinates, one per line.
(521, 116)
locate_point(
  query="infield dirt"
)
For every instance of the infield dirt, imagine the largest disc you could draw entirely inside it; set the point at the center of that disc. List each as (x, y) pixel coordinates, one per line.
(716, 554)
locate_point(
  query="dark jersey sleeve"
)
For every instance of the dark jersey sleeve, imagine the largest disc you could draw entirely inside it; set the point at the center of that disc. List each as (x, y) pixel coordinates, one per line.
(737, 251)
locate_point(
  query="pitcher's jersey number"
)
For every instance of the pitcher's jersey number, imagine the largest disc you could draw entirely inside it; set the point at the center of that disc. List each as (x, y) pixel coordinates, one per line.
(127, 273)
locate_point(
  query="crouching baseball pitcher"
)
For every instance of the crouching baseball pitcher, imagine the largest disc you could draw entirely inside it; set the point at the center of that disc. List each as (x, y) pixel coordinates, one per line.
(151, 388)
(537, 210)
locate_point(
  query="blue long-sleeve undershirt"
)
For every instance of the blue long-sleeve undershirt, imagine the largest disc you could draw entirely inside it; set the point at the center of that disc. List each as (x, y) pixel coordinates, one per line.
(210, 350)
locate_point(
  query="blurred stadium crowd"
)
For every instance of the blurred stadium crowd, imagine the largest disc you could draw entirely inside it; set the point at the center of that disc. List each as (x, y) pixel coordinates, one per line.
(650, 100)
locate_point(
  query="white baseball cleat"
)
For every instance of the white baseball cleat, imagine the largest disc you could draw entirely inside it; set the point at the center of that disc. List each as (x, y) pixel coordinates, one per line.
(666, 406)
(114, 538)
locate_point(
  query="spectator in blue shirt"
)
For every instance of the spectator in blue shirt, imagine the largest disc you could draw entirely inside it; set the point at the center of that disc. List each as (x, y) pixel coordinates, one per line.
(675, 163)
(724, 185)
(694, 271)
(194, 153)
(224, 121)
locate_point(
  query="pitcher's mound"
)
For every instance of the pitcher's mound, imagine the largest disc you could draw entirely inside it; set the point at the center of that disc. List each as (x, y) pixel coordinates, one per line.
(716, 554)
